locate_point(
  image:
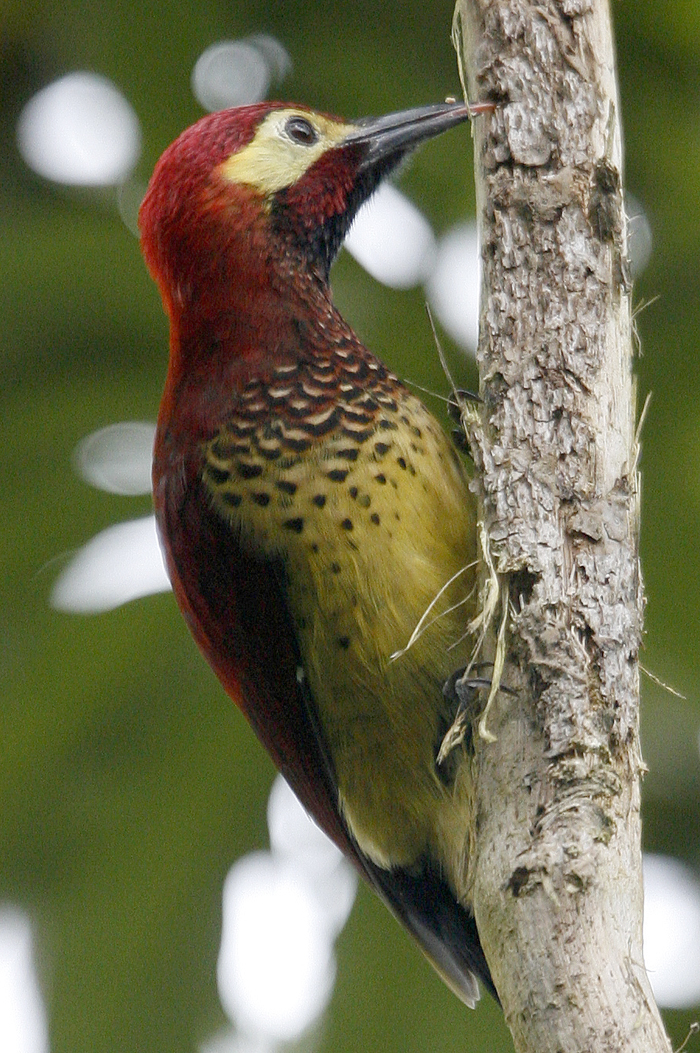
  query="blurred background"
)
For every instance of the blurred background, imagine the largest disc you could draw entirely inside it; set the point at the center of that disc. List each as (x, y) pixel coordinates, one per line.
(131, 792)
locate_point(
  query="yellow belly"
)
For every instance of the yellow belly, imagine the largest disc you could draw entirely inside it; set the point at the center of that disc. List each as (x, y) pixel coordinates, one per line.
(377, 537)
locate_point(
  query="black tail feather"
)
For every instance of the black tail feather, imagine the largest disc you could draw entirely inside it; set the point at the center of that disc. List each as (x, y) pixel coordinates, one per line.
(445, 930)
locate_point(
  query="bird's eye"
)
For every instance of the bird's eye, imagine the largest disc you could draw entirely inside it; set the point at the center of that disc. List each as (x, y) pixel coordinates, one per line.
(301, 131)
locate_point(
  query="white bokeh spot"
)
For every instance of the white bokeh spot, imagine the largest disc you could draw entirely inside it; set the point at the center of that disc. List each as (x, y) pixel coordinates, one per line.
(672, 931)
(282, 911)
(639, 235)
(392, 239)
(121, 563)
(453, 286)
(236, 72)
(81, 131)
(118, 458)
(23, 1024)
(276, 966)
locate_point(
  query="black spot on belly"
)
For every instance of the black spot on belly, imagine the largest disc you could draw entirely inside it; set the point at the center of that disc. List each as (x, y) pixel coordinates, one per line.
(381, 478)
(295, 525)
(231, 499)
(261, 499)
(338, 475)
(344, 642)
(297, 444)
(248, 471)
(319, 500)
(401, 462)
(286, 487)
(270, 453)
(335, 568)
(346, 524)
(375, 518)
(218, 475)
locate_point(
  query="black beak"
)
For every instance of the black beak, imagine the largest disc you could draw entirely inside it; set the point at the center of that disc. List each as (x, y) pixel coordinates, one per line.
(395, 133)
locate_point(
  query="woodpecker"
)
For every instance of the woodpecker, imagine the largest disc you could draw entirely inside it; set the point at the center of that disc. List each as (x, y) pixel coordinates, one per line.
(313, 515)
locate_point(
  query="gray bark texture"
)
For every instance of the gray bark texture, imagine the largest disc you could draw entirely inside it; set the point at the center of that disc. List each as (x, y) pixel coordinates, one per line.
(556, 856)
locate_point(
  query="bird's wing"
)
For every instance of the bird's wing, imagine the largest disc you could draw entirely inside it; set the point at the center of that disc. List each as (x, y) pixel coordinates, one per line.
(237, 609)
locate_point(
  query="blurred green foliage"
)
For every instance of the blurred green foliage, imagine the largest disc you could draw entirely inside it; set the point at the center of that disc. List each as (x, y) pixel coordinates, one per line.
(128, 783)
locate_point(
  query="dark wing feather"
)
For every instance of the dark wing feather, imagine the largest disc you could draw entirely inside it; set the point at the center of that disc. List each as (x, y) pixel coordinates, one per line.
(236, 607)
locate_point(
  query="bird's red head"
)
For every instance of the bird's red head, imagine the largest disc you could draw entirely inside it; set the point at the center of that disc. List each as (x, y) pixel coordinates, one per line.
(191, 211)
(265, 183)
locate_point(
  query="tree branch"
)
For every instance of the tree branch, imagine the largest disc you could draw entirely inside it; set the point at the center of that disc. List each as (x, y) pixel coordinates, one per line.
(556, 858)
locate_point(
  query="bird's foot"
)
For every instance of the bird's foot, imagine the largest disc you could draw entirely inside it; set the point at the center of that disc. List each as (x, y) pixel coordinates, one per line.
(463, 693)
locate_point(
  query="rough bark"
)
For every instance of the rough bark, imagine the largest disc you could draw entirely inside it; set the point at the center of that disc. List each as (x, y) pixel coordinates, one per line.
(556, 873)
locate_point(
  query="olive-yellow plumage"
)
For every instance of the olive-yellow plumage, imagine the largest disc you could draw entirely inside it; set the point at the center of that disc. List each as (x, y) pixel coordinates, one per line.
(313, 513)
(371, 523)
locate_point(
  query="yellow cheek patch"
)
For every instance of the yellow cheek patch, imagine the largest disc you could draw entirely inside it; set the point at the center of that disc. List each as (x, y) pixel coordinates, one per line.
(273, 160)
